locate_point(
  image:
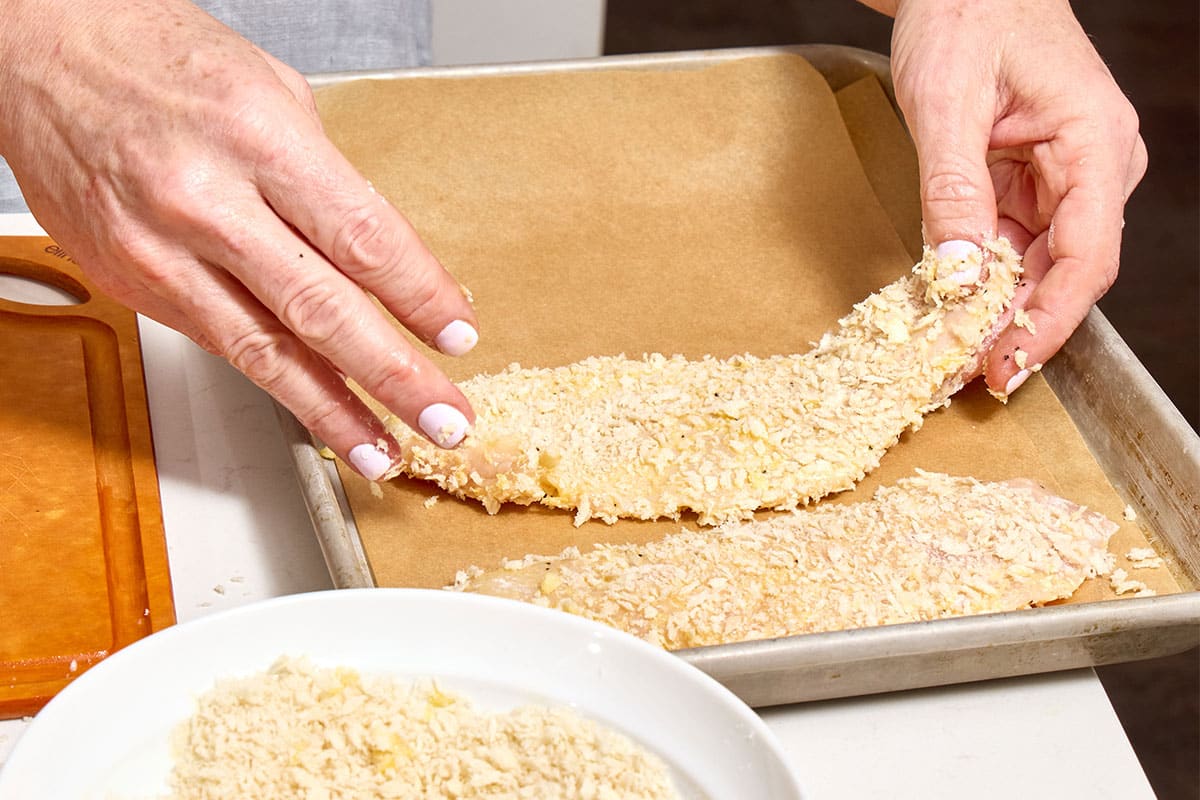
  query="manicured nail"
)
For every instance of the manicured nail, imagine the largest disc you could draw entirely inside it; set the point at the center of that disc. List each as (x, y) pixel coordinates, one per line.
(370, 461)
(1015, 381)
(968, 253)
(457, 338)
(444, 424)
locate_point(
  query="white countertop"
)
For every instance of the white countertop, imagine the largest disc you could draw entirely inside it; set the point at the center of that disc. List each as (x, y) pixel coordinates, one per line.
(237, 531)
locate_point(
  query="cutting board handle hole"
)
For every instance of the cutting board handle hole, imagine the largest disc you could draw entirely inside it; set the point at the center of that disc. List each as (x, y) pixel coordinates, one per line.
(38, 285)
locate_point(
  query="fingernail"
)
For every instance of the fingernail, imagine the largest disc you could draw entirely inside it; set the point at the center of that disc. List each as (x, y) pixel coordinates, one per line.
(1015, 381)
(444, 424)
(962, 251)
(457, 338)
(371, 462)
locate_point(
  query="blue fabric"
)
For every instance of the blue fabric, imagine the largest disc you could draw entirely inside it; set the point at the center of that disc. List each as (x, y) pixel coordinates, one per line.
(312, 36)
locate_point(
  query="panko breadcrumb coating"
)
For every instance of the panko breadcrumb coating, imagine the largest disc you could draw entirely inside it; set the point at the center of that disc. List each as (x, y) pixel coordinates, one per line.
(615, 437)
(928, 547)
(298, 731)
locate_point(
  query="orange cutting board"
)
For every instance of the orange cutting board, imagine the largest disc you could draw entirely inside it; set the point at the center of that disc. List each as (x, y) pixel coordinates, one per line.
(83, 562)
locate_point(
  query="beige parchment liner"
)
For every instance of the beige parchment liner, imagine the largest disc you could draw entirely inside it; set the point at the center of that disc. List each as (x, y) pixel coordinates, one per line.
(720, 210)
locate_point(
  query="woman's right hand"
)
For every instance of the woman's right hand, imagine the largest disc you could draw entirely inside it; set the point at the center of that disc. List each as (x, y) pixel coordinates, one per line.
(187, 172)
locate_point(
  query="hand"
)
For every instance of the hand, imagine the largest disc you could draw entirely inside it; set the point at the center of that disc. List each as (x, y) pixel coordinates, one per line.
(187, 172)
(1020, 130)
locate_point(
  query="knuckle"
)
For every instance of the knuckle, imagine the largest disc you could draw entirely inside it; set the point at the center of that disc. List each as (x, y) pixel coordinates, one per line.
(302, 91)
(144, 258)
(365, 242)
(1108, 273)
(260, 355)
(400, 369)
(948, 184)
(950, 198)
(321, 416)
(420, 294)
(314, 312)
(189, 201)
(181, 194)
(256, 128)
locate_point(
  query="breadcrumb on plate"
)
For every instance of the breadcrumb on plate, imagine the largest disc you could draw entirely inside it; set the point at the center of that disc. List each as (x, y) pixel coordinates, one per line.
(927, 547)
(297, 731)
(613, 437)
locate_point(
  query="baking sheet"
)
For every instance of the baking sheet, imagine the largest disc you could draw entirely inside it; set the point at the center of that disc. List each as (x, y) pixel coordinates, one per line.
(736, 209)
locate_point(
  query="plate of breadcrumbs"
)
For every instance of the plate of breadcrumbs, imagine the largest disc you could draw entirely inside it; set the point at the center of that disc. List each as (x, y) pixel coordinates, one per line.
(395, 693)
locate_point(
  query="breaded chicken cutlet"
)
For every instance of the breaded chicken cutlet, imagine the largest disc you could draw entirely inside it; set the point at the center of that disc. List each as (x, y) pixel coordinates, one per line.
(930, 546)
(613, 437)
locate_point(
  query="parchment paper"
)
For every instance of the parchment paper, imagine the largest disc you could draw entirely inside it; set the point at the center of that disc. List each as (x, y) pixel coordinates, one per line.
(737, 208)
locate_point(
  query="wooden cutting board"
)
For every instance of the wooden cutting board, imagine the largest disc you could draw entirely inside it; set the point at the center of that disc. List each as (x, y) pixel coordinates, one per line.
(83, 562)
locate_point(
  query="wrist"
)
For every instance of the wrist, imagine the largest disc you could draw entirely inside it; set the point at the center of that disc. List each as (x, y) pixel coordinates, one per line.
(29, 43)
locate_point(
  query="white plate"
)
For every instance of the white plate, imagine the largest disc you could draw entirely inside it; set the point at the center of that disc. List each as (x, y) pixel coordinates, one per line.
(106, 734)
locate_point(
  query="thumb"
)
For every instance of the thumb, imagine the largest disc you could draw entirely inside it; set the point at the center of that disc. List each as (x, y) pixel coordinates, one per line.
(951, 131)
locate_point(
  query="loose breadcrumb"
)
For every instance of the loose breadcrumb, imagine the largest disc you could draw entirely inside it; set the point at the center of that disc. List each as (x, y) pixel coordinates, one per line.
(1122, 584)
(645, 438)
(928, 547)
(430, 501)
(301, 733)
(1129, 514)
(1021, 320)
(1143, 558)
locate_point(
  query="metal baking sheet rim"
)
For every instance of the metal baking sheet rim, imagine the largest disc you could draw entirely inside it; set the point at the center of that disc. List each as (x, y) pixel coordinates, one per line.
(1158, 474)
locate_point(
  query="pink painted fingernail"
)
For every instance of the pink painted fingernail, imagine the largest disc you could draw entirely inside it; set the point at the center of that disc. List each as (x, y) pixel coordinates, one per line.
(444, 424)
(967, 253)
(457, 338)
(1015, 381)
(371, 462)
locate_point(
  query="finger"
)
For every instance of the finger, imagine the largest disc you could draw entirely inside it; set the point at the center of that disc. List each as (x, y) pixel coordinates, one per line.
(316, 190)
(336, 320)
(951, 130)
(253, 340)
(1000, 366)
(1016, 184)
(1017, 234)
(1083, 247)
